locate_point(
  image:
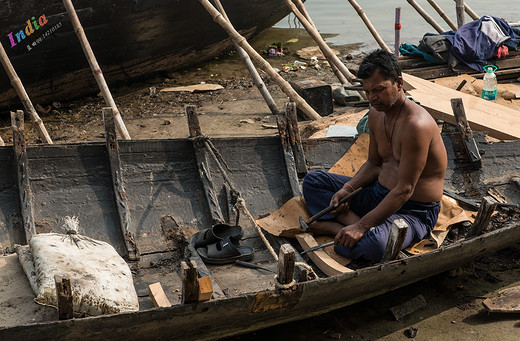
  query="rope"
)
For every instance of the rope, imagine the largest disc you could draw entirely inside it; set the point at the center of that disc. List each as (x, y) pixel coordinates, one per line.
(280, 286)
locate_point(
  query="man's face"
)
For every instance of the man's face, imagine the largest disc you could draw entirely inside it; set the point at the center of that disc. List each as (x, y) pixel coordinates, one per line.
(382, 93)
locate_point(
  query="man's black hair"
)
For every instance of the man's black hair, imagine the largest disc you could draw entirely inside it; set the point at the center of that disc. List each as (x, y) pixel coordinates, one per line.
(380, 60)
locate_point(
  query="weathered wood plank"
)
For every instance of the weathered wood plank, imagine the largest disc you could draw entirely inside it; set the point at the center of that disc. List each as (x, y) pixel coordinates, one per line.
(295, 138)
(486, 209)
(64, 297)
(22, 173)
(290, 163)
(396, 238)
(499, 121)
(507, 301)
(158, 296)
(321, 258)
(470, 145)
(190, 283)
(123, 210)
(286, 264)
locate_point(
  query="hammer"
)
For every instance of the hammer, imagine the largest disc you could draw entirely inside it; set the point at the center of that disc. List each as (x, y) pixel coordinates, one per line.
(304, 224)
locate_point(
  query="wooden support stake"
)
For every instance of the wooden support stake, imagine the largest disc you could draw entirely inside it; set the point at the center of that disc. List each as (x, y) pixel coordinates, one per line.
(397, 31)
(463, 127)
(96, 70)
(290, 164)
(22, 173)
(64, 298)
(443, 15)
(257, 80)
(460, 12)
(122, 202)
(470, 12)
(426, 16)
(485, 211)
(190, 283)
(203, 165)
(286, 258)
(369, 25)
(205, 289)
(342, 79)
(395, 242)
(156, 293)
(295, 139)
(264, 65)
(22, 94)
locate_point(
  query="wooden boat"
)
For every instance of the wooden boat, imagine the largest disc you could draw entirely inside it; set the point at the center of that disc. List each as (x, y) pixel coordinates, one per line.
(173, 184)
(130, 39)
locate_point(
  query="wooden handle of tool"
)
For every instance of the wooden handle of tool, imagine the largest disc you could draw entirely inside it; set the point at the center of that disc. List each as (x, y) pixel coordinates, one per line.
(332, 207)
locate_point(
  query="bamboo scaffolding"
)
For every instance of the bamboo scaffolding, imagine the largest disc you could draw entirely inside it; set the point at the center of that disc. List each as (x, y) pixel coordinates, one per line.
(321, 43)
(470, 12)
(397, 31)
(443, 14)
(426, 16)
(459, 7)
(96, 70)
(264, 65)
(22, 94)
(369, 25)
(257, 80)
(342, 79)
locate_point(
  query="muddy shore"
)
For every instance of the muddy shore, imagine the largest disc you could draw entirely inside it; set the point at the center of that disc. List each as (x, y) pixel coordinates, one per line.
(453, 309)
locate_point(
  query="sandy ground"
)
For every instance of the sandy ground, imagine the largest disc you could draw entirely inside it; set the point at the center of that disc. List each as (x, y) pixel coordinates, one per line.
(453, 309)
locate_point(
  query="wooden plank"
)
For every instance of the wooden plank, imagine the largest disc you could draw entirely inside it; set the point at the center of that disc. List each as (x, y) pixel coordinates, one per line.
(322, 259)
(22, 173)
(486, 209)
(204, 272)
(156, 293)
(286, 264)
(64, 298)
(396, 238)
(295, 138)
(499, 121)
(507, 301)
(290, 163)
(408, 307)
(190, 283)
(122, 205)
(205, 289)
(470, 145)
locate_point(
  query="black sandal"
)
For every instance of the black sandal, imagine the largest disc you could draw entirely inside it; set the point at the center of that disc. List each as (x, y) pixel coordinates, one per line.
(215, 234)
(225, 251)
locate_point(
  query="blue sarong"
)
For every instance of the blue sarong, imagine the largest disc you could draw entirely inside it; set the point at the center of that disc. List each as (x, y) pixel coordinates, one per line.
(318, 189)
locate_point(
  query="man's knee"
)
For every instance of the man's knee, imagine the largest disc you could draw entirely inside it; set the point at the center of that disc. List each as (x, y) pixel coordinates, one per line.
(313, 179)
(367, 248)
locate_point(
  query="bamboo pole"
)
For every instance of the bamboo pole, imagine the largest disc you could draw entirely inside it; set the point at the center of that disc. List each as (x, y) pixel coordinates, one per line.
(321, 43)
(257, 80)
(369, 25)
(242, 42)
(470, 12)
(342, 79)
(426, 16)
(459, 7)
(22, 94)
(442, 14)
(96, 70)
(397, 31)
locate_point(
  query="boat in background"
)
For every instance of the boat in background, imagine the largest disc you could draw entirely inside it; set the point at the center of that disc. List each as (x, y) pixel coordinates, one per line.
(129, 38)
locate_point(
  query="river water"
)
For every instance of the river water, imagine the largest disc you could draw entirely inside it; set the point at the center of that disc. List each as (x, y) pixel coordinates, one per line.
(340, 18)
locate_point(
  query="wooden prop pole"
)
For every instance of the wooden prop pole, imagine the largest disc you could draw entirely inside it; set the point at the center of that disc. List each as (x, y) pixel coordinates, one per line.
(96, 70)
(257, 80)
(442, 14)
(342, 79)
(459, 7)
(470, 12)
(264, 65)
(369, 25)
(22, 94)
(426, 16)
(397, 31)
(331, 56)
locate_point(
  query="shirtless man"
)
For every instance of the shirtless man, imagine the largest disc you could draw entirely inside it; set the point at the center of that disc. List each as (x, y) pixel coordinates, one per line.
(402, 178)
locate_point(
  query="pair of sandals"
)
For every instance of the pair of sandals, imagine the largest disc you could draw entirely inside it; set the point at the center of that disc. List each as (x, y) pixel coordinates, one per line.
(219, 244)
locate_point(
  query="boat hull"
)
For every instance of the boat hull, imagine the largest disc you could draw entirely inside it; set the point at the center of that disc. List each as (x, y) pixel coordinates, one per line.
(129, 38)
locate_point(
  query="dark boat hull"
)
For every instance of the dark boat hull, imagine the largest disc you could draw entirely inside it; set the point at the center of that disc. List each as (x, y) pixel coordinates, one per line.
(129, 38)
